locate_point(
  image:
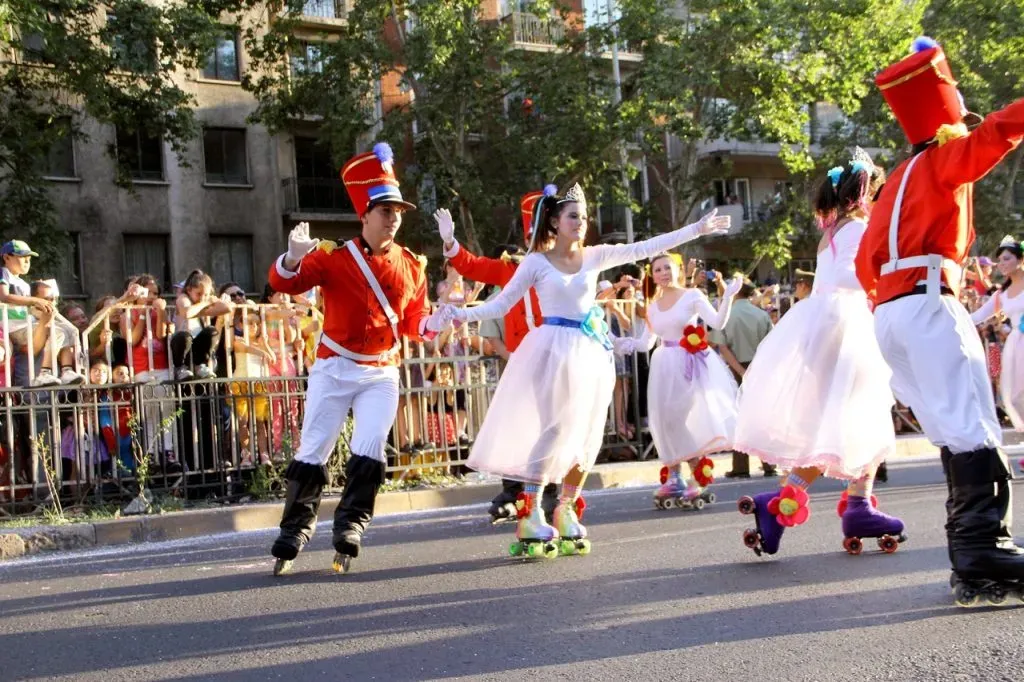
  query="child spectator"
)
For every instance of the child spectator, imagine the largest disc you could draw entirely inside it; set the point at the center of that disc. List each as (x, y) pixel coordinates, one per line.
(252, 358)
(18, 296)
(193, 342)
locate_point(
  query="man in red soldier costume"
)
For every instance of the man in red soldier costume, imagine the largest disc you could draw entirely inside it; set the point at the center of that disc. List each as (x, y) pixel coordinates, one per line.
(518, 321)
(374, 292)
(910, 263)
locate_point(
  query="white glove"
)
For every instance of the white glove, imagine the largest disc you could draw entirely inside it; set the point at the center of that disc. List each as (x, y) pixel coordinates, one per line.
(445, 225)
(299, 242)
(440, 318)
(733, 287)
(712, 223)
(623, 345)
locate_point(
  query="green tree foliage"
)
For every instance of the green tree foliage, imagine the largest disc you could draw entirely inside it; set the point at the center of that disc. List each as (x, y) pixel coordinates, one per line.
(112, 61)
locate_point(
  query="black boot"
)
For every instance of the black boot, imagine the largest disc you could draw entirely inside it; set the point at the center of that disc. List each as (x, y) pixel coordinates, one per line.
(549, 500)
(302, 502)
(882, 473)
(363, 478)
(986, 561)
(503, 506)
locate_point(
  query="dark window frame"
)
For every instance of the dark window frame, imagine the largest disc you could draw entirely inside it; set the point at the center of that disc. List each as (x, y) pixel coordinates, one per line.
(165, 272)
(231, 34)
(137, 171)
(250, 285)
(223, 175)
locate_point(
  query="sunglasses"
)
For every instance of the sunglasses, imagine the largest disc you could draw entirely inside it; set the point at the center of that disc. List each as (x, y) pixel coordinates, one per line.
(236, 294)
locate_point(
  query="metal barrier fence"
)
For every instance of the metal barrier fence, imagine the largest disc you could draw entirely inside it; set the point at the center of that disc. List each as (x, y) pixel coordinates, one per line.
(92, 444)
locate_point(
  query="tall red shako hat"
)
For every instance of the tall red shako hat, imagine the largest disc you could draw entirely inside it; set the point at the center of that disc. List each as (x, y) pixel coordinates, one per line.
(370, 179)
(923, 96)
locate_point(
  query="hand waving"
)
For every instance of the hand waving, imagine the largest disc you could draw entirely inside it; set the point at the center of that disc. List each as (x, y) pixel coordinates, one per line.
(445, 225)
(712, 223)
(300, 243)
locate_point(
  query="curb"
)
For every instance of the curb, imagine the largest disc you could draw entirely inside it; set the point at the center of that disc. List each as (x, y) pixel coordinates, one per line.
(260, 516)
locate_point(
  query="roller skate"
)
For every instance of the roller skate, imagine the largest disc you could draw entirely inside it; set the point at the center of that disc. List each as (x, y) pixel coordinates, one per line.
(988, 568)
(861, 519)
(773, 512)
(298, 522)
(572, 533)
(535, 538)
(673, 493)
(346, 545)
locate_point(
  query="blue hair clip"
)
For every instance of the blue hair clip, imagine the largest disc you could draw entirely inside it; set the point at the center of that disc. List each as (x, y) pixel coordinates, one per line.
(550, 190)
(859, 166)
(834, 174)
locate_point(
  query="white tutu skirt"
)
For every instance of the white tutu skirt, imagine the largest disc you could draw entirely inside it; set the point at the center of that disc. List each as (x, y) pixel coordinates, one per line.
(817, 392)
(550, 408)
(690, 417)
(1011, 378)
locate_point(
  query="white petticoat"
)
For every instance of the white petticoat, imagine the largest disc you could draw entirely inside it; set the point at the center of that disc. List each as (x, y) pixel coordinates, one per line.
(549, 411)
(1011, 379)
(817, 392)
(690, 417)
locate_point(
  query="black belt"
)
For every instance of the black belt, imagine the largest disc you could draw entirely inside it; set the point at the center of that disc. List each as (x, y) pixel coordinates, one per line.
(918, 290)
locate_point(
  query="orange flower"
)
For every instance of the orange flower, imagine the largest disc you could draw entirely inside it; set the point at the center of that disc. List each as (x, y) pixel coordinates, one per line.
(790, 506)
(694, 339)
(704, 472)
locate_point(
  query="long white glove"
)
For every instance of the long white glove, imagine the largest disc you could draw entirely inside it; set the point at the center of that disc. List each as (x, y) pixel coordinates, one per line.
(440, 318)
(445, 225)
(623, 345)
(712, 223)
(733, 287)
(300, 243)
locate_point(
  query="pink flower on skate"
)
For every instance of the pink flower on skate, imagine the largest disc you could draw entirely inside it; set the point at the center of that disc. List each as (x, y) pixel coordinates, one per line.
(844, 501)
(581, 505)
(790, 506)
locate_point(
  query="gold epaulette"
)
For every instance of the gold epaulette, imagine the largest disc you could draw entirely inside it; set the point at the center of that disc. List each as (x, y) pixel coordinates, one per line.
(418, 256)
(327, 246)
(513, 258)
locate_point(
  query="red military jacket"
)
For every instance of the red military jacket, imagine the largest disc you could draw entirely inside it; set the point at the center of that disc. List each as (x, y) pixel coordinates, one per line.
(353, 317)
(937, 216)
(498, 272)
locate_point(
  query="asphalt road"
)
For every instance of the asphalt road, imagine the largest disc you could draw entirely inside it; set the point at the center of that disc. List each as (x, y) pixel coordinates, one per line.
(664, 596)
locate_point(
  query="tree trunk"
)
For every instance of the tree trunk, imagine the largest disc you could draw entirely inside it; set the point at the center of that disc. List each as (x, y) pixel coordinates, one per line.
(1015, 166)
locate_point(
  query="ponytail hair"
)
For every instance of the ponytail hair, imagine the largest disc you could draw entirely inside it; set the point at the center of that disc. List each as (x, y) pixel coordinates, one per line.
(196, 278)
(845, 190)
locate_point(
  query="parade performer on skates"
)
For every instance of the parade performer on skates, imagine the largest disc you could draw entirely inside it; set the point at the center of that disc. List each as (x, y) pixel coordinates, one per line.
(691, 395)
(822, 364)
(374, 292)
(546, 420)
(519, 320)
(911, 259)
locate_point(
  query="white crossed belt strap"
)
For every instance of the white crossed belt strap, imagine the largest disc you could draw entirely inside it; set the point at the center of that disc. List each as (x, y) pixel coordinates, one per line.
(934, 263)
(384, 303)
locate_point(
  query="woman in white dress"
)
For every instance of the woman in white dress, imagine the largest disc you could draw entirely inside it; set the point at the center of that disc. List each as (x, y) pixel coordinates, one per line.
(546, 420)
(1009, 300)
(816, 399)
(691, 394)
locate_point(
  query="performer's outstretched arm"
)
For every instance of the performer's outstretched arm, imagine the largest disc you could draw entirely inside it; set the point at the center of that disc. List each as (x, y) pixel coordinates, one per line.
(986, 311)
(969, 159)
(717, 319)
(526, 275)
(612, 255)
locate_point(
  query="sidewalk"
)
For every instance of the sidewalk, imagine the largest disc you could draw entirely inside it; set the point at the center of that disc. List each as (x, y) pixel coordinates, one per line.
(185, 524)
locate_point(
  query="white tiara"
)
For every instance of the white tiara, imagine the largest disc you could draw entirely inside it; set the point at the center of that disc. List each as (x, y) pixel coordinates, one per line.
(575, 193)
(1008, 240)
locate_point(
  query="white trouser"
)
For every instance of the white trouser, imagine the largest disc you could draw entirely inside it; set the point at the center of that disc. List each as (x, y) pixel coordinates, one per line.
(939, 370)
(337, 385)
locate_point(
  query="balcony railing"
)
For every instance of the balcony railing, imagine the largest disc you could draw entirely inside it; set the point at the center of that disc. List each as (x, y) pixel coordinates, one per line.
(324, 9)
(315, 195)
(529, 29)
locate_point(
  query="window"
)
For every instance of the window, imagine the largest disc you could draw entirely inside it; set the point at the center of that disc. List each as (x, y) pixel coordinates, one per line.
(70, 278)
(231, 261)
(33, 48)
(141, 153)
(60, 158)
(734, 191)
(319, 189)
(325, 9)
(147, 253)
(308, 59)
(136, 54)
(222, 64)
(224, 152)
